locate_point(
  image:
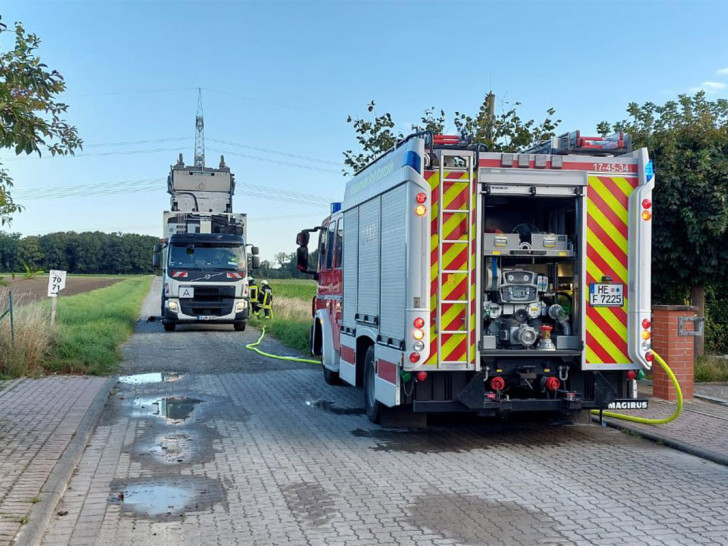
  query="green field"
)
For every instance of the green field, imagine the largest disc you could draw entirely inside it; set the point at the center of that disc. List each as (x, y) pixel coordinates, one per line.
(291, 322)
(294, 288)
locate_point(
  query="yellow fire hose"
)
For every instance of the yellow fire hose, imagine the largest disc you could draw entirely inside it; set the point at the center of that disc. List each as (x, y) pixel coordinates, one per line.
(645, 420)
(254, 347)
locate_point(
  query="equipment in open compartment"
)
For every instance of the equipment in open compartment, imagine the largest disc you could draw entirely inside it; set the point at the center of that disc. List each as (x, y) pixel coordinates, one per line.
(521, 308)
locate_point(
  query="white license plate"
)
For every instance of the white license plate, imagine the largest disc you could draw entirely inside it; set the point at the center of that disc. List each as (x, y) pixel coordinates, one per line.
(186, 291)
(204, 317)
(606, 295)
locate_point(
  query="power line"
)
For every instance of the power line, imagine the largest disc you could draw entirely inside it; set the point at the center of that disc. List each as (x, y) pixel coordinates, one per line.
(133, 142)
(96, 154)
(132, 92)
(157, 184)
(286, 163)
(158, 150)
(275, 152)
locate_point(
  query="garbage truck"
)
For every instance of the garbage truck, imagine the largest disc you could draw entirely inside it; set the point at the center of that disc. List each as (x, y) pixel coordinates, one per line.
(454, 279)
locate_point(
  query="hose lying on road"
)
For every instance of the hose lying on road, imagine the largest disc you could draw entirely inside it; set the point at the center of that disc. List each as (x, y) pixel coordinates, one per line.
(645, 420)
(254, 347)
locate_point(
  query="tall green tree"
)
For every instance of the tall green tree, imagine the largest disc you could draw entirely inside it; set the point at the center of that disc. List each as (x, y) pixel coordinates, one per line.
(500, 129)
(31, 114)
(688, 142)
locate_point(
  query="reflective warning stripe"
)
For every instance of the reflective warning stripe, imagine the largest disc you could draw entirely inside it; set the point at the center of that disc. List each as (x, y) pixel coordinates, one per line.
(457, 241)
(606, 255)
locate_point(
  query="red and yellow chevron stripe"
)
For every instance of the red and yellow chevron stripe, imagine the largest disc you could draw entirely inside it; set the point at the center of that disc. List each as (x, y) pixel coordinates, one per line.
(606, 254)
(457, 239)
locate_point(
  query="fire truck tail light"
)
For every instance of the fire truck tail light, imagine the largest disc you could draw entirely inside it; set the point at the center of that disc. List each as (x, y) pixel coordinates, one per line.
(646, 324)
(421, 210)
(497, 383)
(646, 334)
(646, 203)
(418, 346)
(649, 357)
(421, 376)
(414, 357)
(632, 375)
(419, 322)
(421, 197)
(646, 215)
(418, 334)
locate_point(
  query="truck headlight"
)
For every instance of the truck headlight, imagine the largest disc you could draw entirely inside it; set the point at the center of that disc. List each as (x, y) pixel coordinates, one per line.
(173, 306)
(240, 306)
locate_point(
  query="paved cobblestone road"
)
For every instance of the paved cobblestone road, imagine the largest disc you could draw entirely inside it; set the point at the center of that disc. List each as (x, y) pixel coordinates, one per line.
(257, 452)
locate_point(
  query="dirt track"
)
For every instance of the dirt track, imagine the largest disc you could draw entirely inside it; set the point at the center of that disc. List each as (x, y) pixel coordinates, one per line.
(25, 290)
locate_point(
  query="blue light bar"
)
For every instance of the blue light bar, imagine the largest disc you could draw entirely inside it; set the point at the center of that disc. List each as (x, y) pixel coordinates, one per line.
(414, 160)
(335, 207)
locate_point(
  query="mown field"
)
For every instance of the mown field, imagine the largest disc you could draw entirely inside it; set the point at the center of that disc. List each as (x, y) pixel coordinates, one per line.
(291, 320)
(36, 288)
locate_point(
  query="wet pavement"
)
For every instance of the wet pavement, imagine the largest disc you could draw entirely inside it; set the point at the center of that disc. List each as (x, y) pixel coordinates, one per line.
(237, 449)
(39, 419)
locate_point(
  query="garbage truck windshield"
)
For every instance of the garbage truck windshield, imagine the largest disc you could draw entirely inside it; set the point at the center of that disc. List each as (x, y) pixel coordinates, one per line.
(207, 257)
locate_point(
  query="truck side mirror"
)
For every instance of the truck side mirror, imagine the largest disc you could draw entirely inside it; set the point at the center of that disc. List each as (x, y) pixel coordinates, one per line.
(155, 260)
(255, 262)
(302, 259)
(254, 251)
(157, 248)
(302, 238)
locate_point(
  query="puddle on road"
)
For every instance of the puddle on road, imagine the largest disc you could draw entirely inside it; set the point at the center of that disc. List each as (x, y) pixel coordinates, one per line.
(173, 448)
(149, 378)
(159, 498)
(329, 407)
(173, 409)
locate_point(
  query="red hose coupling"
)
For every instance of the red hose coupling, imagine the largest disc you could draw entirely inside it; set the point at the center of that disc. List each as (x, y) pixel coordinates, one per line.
(552, 383)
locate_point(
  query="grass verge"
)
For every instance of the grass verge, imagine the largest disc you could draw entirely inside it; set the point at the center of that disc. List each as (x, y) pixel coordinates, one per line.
(24, 353)
(91, 326)
(291, 322)
(711, 369)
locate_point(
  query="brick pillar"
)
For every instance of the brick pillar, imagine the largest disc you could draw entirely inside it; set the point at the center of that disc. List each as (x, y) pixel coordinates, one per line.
(678, 351)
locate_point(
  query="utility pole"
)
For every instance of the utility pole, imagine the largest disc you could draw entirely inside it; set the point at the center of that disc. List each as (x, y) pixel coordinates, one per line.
(490, 112)
(199, 133)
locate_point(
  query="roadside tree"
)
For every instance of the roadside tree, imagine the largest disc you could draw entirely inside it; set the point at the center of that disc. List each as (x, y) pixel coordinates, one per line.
(504, 131)
(688, 143)
(30, 112)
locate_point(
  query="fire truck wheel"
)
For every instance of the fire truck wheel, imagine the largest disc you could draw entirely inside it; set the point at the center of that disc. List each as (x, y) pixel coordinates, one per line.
(239, 326)
(331, 378)
(169, 326)
(373, 407)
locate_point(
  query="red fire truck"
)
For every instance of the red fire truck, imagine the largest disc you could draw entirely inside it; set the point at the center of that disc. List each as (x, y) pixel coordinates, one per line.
(452, 279)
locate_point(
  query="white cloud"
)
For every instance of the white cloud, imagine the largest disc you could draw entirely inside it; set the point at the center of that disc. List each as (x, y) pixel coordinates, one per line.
(708, 87)
(722, 71)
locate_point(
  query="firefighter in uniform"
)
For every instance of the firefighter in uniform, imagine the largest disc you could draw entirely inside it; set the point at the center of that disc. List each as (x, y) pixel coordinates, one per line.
(253, 294)
(265, 299)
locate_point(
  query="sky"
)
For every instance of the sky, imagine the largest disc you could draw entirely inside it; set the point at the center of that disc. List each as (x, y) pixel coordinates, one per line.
(279, 79)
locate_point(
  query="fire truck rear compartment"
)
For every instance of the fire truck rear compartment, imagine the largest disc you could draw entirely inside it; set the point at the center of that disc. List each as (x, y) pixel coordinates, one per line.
(531, 263)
